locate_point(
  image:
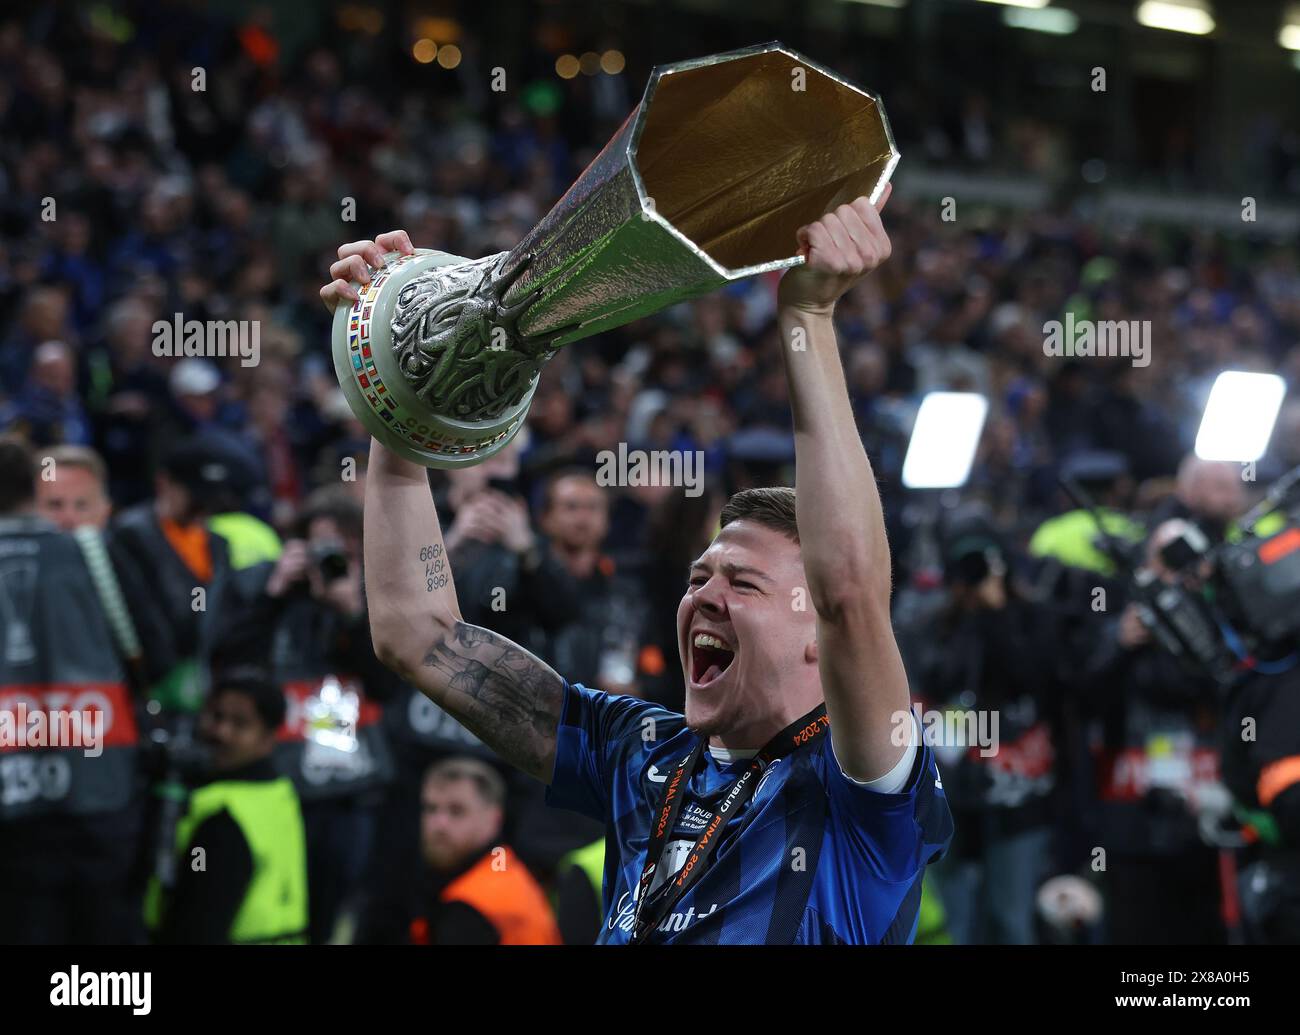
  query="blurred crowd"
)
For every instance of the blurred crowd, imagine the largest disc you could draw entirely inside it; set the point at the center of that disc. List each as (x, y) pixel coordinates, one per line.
(225, 502)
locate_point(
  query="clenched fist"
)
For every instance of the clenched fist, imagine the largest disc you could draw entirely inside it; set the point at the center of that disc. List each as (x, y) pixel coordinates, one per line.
(839, 250)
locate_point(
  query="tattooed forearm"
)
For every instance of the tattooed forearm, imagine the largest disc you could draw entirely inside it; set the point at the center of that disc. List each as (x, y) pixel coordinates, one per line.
(505, 696)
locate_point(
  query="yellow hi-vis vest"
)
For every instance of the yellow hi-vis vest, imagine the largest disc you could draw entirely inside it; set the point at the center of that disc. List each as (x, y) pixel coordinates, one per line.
(590, 859)
(251, 541)
(1069, 537)
(269, 816)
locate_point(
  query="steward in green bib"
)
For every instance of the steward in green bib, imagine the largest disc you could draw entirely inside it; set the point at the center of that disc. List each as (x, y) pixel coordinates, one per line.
(240, 874)
(579, 894)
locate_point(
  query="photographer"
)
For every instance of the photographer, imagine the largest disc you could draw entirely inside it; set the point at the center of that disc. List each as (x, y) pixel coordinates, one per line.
(308, 627)
(986, 653)
(1208, 493)
(1155, 752)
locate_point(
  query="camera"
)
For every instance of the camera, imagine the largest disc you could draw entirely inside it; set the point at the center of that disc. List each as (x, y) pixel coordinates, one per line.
(331, 561)
(1232, 607)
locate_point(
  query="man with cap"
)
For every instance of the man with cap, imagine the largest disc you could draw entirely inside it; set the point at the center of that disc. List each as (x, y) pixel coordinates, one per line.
(1072, 537)
(169, 543)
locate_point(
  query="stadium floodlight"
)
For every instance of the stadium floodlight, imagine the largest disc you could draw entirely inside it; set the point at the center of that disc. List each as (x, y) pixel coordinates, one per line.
(1055, 20)
(1239, 416)
(1176, 15)
(944, 439)
(1289, 34)
(1019, 3)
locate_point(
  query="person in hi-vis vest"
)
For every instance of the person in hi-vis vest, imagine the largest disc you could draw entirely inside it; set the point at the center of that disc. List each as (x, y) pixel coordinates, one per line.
(476, 891)
(241, 863)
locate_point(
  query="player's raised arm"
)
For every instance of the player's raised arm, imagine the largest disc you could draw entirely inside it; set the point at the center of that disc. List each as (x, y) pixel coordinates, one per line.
(496, 689)
(841, 525)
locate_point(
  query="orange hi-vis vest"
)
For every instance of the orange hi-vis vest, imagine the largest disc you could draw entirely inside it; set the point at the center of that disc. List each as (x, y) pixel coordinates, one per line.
(500, 887)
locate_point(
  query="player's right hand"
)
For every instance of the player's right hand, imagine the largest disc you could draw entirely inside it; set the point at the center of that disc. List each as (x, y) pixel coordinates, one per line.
(355, 262)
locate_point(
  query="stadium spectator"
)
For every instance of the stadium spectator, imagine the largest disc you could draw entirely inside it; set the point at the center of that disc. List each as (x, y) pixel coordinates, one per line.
(48, 411)
(74, 494)
(474, 890)
(602, 647)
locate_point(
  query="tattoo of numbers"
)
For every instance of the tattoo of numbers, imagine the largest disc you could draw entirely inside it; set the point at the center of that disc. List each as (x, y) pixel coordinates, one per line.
(435, 567)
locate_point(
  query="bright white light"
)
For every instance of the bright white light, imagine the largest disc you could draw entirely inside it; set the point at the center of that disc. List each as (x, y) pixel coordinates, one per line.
(1056, 20)
(1289, 34)
(1239, 416)
(1019, 3)
(944, 439)
(1176, 15)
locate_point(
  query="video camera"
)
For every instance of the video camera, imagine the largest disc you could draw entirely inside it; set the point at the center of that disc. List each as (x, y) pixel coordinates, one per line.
(1233, 607)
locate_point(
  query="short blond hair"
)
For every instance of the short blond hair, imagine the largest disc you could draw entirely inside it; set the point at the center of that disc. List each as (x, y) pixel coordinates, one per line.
(490, 784)
(81, 457)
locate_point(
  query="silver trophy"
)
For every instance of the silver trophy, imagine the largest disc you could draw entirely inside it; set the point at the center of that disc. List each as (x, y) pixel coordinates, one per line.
(706, 182)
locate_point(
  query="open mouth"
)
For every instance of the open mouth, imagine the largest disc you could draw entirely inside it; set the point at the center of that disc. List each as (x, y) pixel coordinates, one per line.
(710, 657)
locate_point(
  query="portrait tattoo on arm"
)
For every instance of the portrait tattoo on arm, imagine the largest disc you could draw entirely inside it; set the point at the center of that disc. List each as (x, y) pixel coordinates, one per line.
(504, 695)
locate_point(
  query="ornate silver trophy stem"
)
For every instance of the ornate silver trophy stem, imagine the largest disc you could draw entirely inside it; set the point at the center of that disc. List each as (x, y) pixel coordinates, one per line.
(706, 182)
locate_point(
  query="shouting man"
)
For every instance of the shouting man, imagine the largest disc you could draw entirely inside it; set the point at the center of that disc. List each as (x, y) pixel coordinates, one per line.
(795, 801)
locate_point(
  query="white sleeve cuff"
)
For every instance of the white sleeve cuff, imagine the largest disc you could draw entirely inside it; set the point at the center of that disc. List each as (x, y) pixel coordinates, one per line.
(896, 779)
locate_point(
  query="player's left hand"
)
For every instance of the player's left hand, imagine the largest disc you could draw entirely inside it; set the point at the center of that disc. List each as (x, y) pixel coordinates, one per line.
(839, 250)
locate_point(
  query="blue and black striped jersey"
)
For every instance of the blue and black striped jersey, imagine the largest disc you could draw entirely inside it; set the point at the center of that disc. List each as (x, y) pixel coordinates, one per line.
(811, 858)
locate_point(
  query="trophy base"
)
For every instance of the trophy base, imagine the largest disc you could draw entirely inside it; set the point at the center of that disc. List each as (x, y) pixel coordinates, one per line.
(382, 399)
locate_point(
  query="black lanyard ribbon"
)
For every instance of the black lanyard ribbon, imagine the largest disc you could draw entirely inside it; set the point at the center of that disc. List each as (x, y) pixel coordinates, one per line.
(650, 910)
